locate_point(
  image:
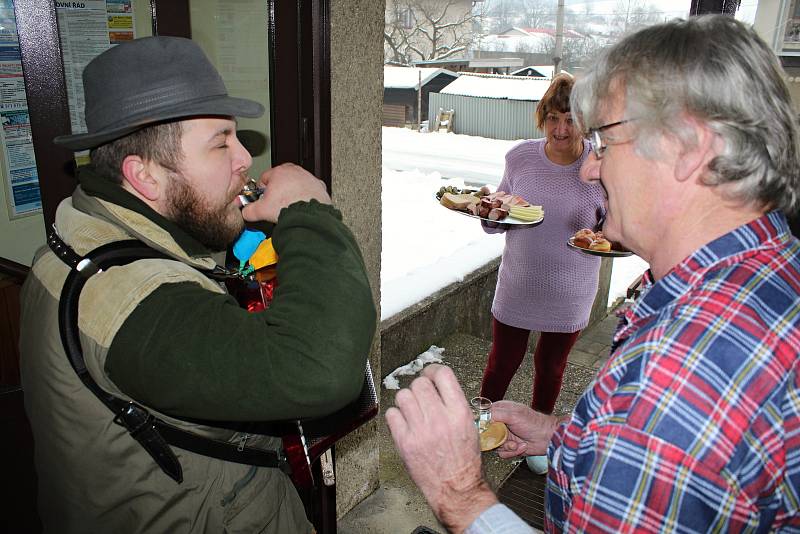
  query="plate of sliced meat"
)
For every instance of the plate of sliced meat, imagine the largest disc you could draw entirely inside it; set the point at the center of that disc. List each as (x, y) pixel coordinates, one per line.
(595, 244)
(499, 207)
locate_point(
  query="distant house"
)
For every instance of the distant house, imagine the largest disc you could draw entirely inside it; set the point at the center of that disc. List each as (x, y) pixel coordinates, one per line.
(494, 65)
(400, 85)
(535, 71)
(539, 32)
(493, 106)
(533, 45)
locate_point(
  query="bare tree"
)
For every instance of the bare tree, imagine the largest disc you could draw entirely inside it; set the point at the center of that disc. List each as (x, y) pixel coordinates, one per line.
(575, 51)
(427, 29)
(537, 13)
(503, 14)
(632, 15)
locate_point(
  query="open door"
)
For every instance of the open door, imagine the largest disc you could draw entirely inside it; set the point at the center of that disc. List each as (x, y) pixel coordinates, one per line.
(270, 51)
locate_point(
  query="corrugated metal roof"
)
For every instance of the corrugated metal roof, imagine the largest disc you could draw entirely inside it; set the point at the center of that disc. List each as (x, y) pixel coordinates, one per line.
(498, 86)
(409, 77)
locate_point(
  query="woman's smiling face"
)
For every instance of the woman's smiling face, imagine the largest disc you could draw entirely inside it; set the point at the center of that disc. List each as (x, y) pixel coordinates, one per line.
(562, 134)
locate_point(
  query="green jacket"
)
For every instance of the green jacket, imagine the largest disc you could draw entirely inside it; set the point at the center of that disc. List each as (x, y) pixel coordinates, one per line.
(164, 335)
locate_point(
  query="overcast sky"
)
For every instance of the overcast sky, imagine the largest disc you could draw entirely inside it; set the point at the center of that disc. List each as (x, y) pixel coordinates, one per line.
(671, 8)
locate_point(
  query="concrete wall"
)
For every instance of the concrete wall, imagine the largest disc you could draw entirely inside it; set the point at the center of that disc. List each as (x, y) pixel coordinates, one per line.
(356, 100)
(461, 307)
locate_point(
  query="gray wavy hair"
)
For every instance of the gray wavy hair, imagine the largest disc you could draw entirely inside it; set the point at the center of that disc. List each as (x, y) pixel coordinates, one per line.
(717, 70)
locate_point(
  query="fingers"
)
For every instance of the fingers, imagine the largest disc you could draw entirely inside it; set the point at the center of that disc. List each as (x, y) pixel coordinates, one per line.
(513, 447)
(433, 399)
(406, 401)
(447, 385)
(271, 173)
(284, 185)
(434, 369)
(396, 422)
(511, 412)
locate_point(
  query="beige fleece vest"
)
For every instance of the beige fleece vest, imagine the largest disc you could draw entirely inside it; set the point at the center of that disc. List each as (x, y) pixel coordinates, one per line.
(93, 477)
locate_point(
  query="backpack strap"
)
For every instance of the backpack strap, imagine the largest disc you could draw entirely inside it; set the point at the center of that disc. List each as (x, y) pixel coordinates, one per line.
(153, 434)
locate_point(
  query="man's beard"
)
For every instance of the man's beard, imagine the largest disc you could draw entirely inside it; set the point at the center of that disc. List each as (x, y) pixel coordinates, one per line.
(211, 226)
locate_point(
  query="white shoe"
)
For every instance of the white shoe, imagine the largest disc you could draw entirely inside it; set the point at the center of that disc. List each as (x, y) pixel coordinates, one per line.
(537, 464)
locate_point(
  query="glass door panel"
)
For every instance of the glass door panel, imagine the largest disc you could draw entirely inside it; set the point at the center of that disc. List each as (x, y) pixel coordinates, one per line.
(233, 34)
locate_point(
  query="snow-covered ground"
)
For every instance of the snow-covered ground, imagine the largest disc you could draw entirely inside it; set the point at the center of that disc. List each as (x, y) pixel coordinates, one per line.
(427, 247)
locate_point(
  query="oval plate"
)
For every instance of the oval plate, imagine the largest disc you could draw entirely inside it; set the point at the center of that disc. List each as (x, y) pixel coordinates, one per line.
(610, 254)
(507, 220)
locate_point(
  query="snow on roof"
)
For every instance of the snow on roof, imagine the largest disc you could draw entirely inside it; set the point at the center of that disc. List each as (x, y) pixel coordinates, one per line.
(515, 43)
(550, 31)
(409, 77)
(530, 40)
(498, 86)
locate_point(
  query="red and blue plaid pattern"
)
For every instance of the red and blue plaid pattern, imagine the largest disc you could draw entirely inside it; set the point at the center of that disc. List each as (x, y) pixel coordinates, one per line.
(693, 425)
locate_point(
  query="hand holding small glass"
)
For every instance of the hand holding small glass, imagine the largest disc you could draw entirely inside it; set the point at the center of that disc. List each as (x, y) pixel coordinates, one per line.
(482, 411)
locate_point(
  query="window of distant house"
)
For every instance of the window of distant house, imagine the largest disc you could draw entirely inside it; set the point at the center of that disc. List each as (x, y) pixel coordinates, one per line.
(405, 18)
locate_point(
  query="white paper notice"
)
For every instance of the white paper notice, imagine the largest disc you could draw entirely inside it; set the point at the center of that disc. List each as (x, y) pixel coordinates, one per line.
(20, 177)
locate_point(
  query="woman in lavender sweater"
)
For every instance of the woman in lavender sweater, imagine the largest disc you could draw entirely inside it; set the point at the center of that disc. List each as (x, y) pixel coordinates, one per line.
(543, 285)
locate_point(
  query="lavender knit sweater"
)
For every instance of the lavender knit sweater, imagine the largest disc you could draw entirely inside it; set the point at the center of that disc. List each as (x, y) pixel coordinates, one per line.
(544, 285)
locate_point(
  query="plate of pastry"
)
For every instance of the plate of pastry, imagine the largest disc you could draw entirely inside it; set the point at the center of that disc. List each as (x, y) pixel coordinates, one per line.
(595, 244)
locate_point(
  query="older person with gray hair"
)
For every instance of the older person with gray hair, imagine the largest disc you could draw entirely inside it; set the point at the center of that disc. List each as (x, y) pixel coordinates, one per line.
(693, 425)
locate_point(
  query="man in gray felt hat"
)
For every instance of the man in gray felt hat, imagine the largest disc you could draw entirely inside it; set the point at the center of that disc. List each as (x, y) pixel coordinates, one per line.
(166, 169)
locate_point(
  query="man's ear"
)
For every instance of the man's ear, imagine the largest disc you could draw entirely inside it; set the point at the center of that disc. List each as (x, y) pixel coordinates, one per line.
(694, 159)
(143, 177)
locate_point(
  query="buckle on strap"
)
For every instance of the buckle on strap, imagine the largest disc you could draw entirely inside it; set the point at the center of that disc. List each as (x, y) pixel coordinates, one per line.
(83, 265)
(134, 418)
(283, 462)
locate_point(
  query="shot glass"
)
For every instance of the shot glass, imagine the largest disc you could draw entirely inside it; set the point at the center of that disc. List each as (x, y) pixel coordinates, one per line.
(482, 412)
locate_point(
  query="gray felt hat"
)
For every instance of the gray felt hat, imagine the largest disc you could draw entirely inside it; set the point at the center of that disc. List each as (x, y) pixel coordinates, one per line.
(149, 80)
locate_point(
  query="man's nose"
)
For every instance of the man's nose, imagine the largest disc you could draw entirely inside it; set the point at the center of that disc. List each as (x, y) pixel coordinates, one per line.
(590, 170)
(242, 159)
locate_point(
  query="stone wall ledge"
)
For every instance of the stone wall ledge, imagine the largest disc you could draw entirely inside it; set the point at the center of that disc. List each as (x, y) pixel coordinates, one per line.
(463, 306)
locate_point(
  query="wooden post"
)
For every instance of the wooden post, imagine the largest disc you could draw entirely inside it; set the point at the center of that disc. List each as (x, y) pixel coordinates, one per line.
(419, 101)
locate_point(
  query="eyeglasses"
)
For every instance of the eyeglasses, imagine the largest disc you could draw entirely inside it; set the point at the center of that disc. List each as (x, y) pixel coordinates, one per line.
(596, 137)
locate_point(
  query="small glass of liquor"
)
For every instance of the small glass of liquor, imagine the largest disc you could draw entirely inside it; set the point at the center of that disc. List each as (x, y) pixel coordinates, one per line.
(250, 192)
(482, 412)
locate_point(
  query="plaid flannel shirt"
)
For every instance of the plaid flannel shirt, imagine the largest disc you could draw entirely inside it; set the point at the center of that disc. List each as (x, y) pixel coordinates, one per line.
(693, 425)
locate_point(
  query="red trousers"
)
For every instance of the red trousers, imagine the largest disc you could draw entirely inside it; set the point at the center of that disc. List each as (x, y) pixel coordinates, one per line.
(509, 345)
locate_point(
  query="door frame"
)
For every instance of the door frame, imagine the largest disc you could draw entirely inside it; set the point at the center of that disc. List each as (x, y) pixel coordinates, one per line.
(299, 49)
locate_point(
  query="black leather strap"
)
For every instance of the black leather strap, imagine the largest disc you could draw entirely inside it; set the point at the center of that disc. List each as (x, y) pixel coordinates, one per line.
(153, 434)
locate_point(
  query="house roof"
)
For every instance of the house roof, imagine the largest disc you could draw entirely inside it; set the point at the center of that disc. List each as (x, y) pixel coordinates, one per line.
(409, 77)
(498, 86)
(568, 34)
(531, 40)
(474, 62)
(449, 61)
(543, 71)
